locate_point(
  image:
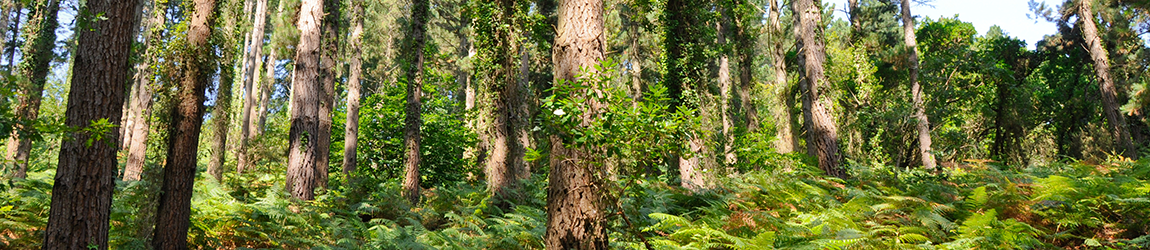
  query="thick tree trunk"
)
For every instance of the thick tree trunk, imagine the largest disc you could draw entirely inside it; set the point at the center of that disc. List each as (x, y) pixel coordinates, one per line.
(303, 155)
(39, 40)
(351, 127)
(746, 57)
(574, 211)
(414, 75)
(82, 194)
(855, 19)
(252, 76)
(684, 72)
(183, 137)
(786, 142)
(917, 96)
(822, 133)
(503, 91)
(1106, 82)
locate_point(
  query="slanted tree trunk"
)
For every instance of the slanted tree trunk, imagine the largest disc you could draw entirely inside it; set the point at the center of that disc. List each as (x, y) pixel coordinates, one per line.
(252, 76)
(575, 218)
(822, 133)
(140, 106)
(1106, 82)
(82, 194)
(917, 97)
(183, 137)
(351, 126)
(39, 40)
(414, 75)
(307, 91)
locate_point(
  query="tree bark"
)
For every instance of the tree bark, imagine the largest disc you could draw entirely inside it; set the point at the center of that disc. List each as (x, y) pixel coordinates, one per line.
(685, 70)
(306, 94)
(502, 89)
(39, 40)
(140, 105)
(351, 127)
(183, 137)
(723, 29)
(822, 133)
(786, 140)
(15, 33)
(574, 214)
(266, 87)
(1106, 82)
(327, 100)
(82, 194)
(746, 57)
(6, 8)
(414, 75)
(252, 76)
(916, 88)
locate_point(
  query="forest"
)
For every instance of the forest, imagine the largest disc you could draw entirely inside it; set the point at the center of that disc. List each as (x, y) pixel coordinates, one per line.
(570, 124)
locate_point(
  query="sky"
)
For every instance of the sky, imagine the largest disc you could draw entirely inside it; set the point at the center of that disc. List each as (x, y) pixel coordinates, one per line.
(1011, 15)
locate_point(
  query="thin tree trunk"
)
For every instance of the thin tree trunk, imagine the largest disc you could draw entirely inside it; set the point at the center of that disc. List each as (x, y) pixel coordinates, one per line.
(574, 211)
(723, 27)
(183, 137)
(222, 116)
(266, 87)
(140, 106)
(784, 131)
(306, 94)
(351, 133)
(822, 133)
(1106, 82)
(746, 57)
(855, 19)
(15, 34)
(6, 7)
(82, 194)
(916, 88)
(327, 99)
(414, 75)
(251, 77)
(39, 40)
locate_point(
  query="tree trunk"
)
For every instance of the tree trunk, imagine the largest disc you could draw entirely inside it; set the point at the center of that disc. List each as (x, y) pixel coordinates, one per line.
(786, 142)
(723, 29)
(822, 133)
(15, 34)
(414, 75)
(746, 57)
(39, 40)
(327, 99)
(916, 88)
(503, 88)
(1102, 68)
(306, 92)
(82, 194)
(856, 19)
(183, 137)
(140, 106)
(685, 70)
(6, 8)
(222, 115)
(574, 212)
(351, 127)
(266, 87)
(251, 77)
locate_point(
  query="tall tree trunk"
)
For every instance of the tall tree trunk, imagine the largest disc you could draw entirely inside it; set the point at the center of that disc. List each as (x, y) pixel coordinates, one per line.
(266, 87)
(855, 19)
(684, 68)
(39, 40)
(574, 211)
(6, 7)
(183, 137)
(746, 57)
(414, 75)
(82, 194)
(1106, 82)
(222, 114)
(822, 133)
(723, 29)
(916, 88)
(303, 156)
(786, 142)
(503, 130)
(251, 77)
(635, 57)
(328, 73)
(140, 104)
(351, 133)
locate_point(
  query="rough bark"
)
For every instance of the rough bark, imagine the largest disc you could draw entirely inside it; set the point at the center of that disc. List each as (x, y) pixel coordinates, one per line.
(917, 97)
(502, 90)
(351, 128)
(684, 72)
(82, 194)
(786, 142)
(822, 133)
(574, 214)
(1101, 59)
(39, 40)
(266, 87)
(140, 105)
(723, 27)
(414, 75)
(183, 136)
(856, 18)
(252, 77)
(746, 57)
(328, 74)
(6, 8)
(306, 94)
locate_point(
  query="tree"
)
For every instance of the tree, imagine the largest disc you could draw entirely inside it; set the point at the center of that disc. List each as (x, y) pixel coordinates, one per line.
(222, 112)
(304, 152)
(784, 130)
(413, 74)
(82, 194)
(822, 133)
(328, 74)
(140, 103)
(39, 41)
(351, 127)
(687, 63)
(251, 77)
(183, 137)
(574, 211)
(501, 92)
(1101, 59)
(917, 97)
